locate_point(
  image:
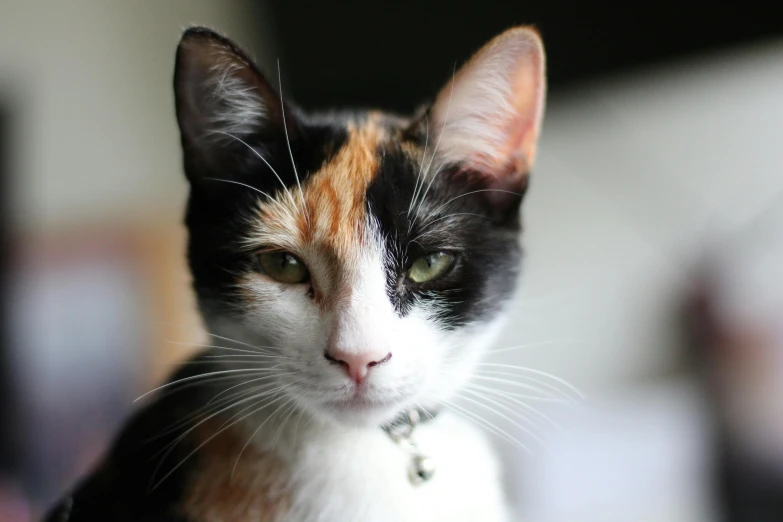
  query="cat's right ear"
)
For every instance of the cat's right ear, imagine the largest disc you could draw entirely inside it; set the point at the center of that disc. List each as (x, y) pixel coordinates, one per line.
(487, 119)
(227, 111)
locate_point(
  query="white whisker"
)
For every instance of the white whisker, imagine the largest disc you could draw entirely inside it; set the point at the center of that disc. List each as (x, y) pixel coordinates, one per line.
(252, 436)
(492, 377)
(288, 412)
(499, 414)
(200, 376)
(242, 357)
(432, 179)
(437, 145)
(256, 349)
(288, 142)
(421, 167)
(270, 198)
(209, 406)
(521, 396)
(229, 339)
(536, 372)
(430, 223)
(489, 426)
(474, 192)
(171, 445)
(537, 344)
(498, 396)
(262, 158)
(296, 427)
(239, 342)
(248, 382)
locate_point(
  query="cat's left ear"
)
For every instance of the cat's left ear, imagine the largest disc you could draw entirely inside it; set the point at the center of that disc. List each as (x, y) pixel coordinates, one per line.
(490, 113)
(224, 104)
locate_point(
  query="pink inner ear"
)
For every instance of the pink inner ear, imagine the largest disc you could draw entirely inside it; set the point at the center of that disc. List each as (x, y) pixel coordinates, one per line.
(521, 130)
(528, 102)
(492, 125)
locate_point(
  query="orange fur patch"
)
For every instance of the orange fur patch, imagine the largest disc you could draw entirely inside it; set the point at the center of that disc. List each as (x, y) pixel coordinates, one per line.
(335, 196)
(256, 491)
(327, 219)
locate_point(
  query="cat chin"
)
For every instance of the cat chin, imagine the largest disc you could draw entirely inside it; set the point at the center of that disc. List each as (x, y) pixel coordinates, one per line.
(358, 415)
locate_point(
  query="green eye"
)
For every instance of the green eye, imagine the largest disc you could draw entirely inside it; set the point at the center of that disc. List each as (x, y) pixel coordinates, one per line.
(283, 267)
(430, 267)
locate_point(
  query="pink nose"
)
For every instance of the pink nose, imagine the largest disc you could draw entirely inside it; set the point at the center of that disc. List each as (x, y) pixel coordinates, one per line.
(356, 365)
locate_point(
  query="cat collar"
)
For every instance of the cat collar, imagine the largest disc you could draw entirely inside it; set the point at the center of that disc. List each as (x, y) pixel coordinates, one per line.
(400, 430)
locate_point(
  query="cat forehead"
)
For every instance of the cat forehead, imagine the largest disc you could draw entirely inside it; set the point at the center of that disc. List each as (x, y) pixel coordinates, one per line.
(326, 217)
(328, 207)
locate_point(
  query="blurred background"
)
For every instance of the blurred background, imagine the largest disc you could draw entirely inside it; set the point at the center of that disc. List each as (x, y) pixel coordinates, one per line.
(653, 280)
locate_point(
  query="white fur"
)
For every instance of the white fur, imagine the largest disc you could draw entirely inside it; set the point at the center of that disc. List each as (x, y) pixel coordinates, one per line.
(233, 106)
(343, 465)
(417, 374)
(352, 474)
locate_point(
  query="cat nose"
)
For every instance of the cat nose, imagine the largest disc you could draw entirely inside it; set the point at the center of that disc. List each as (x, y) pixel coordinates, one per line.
(356, 365)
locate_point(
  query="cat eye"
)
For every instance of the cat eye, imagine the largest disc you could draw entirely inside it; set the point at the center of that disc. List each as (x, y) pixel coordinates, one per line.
(430, 267)
(283, 267)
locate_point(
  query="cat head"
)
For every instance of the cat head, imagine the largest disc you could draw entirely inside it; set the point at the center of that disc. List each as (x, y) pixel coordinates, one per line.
(368, 257)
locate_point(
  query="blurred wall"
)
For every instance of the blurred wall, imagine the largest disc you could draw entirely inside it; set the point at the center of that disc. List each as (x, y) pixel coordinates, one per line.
(91, 85)
(640, 179)
(638, 176)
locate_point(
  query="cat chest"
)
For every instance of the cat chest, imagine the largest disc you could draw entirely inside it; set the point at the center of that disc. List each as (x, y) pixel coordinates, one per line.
(341, 476)
(235, 481)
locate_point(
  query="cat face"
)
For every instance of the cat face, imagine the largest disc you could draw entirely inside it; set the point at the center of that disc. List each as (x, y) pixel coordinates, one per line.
(367, 257)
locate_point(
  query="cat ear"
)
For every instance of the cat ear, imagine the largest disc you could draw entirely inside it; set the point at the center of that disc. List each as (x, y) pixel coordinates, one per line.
(222, 100)
(490, 114)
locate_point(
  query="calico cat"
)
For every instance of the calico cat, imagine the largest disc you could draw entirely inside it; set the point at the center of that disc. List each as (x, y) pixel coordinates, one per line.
(351, 267)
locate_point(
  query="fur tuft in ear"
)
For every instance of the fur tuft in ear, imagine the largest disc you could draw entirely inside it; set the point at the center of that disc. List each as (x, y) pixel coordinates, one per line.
(221, 98)
(490, 115)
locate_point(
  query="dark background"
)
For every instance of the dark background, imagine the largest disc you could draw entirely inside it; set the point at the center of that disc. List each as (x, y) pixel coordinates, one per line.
(403, 52)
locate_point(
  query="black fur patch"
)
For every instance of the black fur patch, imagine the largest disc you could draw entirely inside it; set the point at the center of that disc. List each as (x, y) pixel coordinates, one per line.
(451, 214)
(121, 488)
(217, 210)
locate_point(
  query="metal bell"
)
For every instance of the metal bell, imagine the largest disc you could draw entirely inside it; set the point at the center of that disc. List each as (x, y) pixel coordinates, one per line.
(422, 469)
